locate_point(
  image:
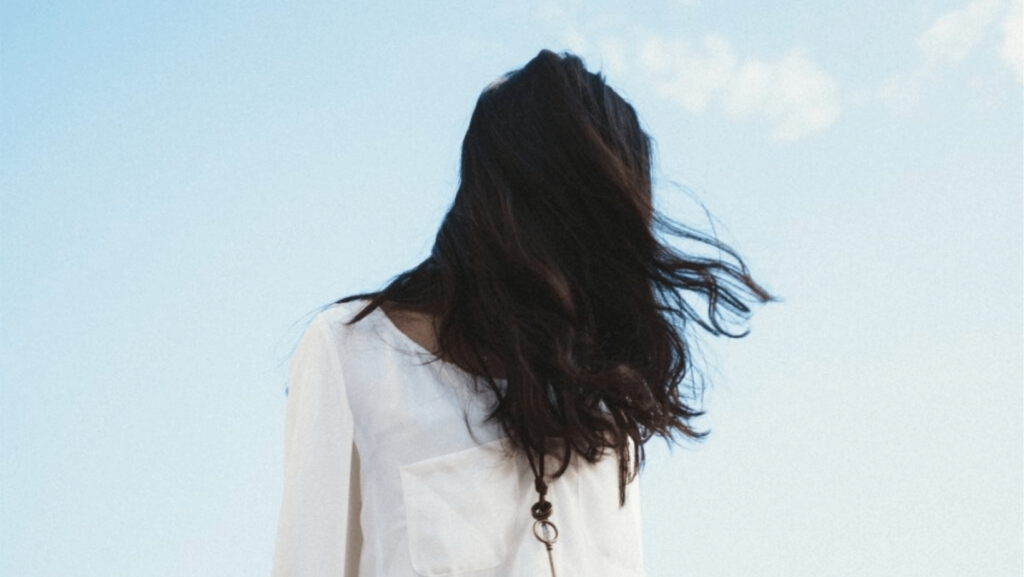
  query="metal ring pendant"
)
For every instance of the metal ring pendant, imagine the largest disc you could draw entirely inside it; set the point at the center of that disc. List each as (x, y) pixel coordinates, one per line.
(545, 531)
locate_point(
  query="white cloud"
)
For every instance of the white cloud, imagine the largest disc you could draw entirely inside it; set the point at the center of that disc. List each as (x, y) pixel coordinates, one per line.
(792, 94)
(950, 39)
(691, 76)
(1012, 51)
(956, 33)
(800, 98)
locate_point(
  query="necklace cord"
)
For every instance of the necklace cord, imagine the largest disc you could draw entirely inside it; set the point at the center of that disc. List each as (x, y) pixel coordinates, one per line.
(541, 510)
(544, 530)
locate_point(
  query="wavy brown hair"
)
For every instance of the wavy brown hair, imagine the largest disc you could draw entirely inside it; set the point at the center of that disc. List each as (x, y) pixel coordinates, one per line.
(553, 262)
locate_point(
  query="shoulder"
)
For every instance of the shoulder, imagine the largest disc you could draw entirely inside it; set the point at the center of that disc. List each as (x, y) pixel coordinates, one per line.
(336, 325)
(329, 329)
(340, 314)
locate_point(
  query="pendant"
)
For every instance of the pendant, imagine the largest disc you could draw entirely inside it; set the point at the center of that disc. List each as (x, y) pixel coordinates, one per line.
(547, 533)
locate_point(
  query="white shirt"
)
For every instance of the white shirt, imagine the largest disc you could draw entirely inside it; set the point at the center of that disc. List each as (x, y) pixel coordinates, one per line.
(384, 478)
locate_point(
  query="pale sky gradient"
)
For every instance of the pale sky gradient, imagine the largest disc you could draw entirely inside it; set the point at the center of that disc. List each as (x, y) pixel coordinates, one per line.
(181, 187)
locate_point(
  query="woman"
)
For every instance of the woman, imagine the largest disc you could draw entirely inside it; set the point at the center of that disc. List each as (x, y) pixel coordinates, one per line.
(485, 413)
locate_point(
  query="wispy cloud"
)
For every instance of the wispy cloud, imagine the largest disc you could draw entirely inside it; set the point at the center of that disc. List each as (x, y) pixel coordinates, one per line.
(792, 94)
(954, 36)
(788, 93)
(1012, 51)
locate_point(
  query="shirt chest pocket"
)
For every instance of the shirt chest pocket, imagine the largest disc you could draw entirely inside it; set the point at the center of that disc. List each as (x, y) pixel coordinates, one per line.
(461, 510)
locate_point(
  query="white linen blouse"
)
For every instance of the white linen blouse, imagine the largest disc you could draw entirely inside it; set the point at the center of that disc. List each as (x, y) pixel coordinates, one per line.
(391, 470)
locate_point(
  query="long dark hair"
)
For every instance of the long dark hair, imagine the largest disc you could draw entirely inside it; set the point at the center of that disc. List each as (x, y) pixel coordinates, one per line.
(553, 261)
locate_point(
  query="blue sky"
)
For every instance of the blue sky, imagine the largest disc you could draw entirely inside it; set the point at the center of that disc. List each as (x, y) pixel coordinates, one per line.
(182, 186)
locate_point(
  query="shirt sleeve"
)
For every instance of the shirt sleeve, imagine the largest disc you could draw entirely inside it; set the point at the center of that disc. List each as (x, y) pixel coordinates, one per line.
(318, 530)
